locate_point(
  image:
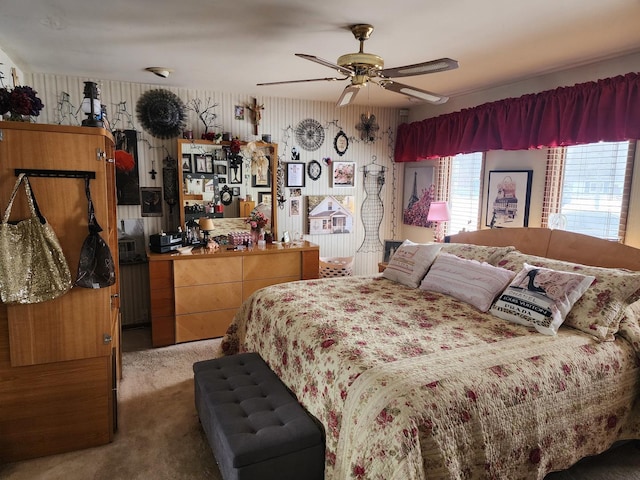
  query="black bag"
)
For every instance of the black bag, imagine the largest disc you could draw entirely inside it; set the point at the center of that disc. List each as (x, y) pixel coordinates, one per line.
(96, 268)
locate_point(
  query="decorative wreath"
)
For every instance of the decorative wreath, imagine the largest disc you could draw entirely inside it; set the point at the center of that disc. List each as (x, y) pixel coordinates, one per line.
(161, 113)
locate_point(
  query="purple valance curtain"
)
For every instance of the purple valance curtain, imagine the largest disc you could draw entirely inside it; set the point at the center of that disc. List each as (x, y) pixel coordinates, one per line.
(606, 110)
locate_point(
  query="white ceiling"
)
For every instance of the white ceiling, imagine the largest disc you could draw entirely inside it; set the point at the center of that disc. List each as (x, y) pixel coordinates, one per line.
(230, 46)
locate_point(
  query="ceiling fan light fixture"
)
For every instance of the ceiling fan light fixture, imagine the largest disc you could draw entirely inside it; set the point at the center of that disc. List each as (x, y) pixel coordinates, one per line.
(162, 72)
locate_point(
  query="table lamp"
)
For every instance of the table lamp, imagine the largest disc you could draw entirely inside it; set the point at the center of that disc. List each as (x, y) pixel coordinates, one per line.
(438, 213)
(206, 225)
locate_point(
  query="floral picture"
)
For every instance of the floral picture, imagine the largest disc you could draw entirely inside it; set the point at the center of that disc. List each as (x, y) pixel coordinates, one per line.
(344, 174)
(419, 192)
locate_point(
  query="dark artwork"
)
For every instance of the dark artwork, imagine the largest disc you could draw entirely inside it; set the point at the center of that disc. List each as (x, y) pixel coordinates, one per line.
(128, 183)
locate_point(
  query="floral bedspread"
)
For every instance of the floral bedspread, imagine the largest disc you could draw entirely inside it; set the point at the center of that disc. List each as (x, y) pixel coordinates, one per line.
(414, 385)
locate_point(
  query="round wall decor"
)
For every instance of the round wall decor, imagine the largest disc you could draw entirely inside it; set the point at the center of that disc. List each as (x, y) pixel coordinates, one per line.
(314, 169)
(309, 134)
(161, 113)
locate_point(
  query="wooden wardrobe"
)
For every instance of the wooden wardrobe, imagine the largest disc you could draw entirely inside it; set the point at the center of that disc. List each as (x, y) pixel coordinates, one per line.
(59, 360)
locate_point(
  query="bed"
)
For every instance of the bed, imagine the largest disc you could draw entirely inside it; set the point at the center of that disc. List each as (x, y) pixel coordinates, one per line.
(415, 384)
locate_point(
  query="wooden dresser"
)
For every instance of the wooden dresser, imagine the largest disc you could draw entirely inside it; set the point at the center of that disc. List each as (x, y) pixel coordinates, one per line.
(59, 360)
(195, 296)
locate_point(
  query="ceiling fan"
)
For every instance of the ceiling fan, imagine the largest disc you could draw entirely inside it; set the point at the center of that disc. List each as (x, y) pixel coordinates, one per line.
(361, 67)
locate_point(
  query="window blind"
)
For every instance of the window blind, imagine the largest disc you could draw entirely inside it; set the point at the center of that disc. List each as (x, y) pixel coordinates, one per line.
(465, 186)
(587, 188)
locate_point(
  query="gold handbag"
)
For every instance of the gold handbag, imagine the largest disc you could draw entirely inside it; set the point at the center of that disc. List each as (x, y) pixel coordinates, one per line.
(33, 268)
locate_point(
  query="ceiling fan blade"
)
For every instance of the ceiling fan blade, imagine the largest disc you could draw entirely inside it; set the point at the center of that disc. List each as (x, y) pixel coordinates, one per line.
(326, 63)
(413, 92)
(433, 66)
(326, 79)
(348, 94)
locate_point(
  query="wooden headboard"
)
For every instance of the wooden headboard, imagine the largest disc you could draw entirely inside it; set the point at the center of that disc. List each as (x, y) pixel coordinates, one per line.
(558, 244)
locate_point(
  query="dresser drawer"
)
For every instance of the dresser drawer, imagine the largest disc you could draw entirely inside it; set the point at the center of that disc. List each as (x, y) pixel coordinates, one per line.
(205, 271)
(258, 267)
(203, 298)
(250, 286)
(197, 326)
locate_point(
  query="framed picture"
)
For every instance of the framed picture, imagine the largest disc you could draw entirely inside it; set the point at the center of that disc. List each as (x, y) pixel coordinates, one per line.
(186, 163)
(221, 169)
(508, 198)
(235, 191)
(263, 176)
(344, 174)
(151, 201)
(295, 174)
(390, 247)
(201, 164)
(209, 163)
(238, 112)
(330, 214)
(264, 197)
(419, 192)
(294, 207)
(235, 171)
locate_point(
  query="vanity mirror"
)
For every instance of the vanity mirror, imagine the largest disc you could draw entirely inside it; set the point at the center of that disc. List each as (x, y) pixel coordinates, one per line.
(210, 175)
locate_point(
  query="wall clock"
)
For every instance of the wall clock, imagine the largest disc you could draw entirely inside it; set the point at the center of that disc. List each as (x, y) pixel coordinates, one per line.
(309, 134)
(314, 169)
(341, 143)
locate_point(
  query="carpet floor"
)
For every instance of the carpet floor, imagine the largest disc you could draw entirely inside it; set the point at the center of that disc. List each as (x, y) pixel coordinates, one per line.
(159, 436)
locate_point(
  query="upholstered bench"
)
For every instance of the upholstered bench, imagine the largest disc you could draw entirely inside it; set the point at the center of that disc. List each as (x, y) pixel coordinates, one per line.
(254, 425)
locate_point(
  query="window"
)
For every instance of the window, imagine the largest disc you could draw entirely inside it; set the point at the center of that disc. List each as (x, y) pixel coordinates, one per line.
(587, 188)
(460, 184)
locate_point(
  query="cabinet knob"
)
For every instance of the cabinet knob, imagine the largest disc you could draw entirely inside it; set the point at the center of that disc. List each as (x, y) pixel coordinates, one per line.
(106, 338)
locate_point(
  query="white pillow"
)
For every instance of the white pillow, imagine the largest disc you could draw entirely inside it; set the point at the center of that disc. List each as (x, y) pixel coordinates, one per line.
(410, 262)
(468, 280)
(541, 297)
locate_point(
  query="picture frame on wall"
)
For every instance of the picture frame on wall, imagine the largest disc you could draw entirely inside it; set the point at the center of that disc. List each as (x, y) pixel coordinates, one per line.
(295, 174)
(419, 192)
(151, 201)
(263, 176)
(201, 164)
(344, 174)
(186, 163)
(508, 198)
(264, 197)
(390, 247)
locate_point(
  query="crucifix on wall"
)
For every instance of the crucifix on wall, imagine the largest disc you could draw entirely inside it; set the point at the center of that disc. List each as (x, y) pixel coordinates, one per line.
(256, 111)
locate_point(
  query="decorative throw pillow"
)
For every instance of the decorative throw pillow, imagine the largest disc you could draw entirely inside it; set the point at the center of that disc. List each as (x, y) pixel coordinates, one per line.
(601, 308)
(410, 262)
(630, 326)
(481, 253)
(541, 297)
(473, 282)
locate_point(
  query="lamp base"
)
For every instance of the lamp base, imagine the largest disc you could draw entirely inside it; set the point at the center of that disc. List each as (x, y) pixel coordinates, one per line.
(88, 122)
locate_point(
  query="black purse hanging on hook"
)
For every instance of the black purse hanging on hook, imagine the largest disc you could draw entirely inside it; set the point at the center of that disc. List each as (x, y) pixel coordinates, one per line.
(96, 268)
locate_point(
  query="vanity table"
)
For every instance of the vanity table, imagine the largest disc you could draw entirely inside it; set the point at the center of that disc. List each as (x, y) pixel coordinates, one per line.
(195, 296)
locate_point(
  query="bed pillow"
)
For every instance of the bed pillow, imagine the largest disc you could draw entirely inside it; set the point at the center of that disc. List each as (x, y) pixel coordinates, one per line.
(481, 253)
(541, 297)
(601, 308)
(473, 282)
(410, 262)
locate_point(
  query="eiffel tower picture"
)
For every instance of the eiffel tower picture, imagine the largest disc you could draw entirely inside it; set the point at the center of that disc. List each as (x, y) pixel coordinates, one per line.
(414, 193)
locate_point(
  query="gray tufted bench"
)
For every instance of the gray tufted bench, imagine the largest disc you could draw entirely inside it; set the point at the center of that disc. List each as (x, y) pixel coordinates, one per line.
(254, 425)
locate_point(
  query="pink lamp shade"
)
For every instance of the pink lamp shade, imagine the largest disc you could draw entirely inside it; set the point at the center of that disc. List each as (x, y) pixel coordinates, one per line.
(438, 212)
